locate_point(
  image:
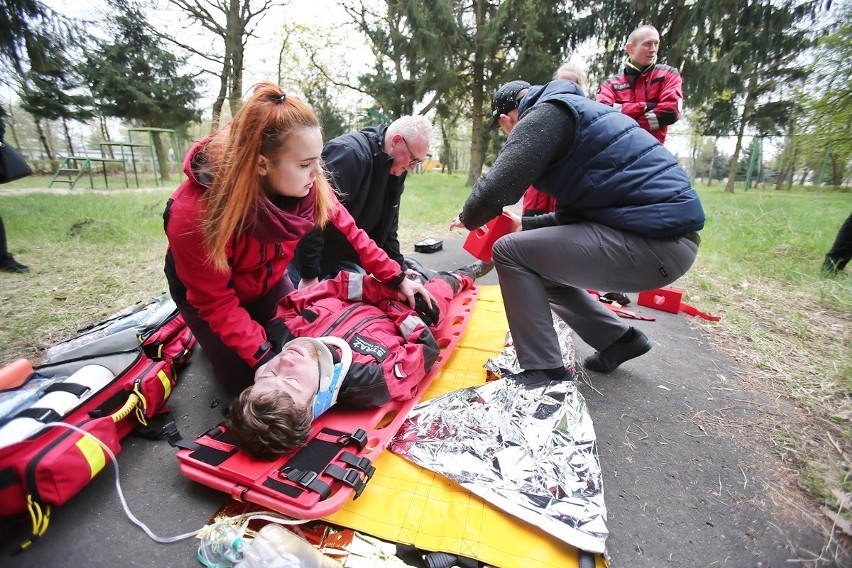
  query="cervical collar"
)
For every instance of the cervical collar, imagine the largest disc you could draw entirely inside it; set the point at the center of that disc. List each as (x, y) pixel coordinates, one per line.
(331, 374)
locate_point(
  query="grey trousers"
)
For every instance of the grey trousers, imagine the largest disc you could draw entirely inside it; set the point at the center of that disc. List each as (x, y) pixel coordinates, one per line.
(553, 267)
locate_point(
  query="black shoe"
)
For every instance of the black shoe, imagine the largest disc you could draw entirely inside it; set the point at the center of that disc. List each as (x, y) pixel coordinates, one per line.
(622, 299)
(9, 264)
(476, 270)
(533, 376)
(622, 350)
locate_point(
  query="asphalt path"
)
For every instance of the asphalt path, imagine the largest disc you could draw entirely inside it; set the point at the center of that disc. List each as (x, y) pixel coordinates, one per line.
(686, 481)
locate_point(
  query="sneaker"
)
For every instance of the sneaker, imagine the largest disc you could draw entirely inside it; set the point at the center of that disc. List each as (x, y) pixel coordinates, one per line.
(610, 358)
(9, 264)
(476, 270)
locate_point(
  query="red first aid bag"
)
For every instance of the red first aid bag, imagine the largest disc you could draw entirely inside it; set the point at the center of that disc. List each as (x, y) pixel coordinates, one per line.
(63, 425)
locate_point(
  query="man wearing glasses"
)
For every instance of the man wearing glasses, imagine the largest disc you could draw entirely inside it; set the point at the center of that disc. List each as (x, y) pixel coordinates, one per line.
(368, 169)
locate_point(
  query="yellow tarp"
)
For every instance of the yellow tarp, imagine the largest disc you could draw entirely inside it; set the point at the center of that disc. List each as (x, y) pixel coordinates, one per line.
(408, 504)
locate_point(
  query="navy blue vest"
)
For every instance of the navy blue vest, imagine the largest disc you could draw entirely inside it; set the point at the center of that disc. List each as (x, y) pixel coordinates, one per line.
(616, 173)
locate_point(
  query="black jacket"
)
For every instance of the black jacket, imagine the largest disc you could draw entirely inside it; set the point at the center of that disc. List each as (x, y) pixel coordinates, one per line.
(359, 169)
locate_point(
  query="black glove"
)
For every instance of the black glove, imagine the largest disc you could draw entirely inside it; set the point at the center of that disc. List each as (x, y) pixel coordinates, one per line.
(428, 315)
(650, 106)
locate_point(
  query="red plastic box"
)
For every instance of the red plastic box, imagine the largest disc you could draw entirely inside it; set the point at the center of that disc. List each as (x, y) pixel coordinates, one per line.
(480, 241)
(666, 299)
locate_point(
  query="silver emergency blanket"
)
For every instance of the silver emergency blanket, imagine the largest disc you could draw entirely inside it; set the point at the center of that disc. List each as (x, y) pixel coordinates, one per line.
(506, 363)
(528, 449)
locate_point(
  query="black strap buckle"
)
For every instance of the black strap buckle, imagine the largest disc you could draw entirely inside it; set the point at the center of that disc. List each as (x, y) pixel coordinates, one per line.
(358, 437)
(310, 480)
(170, 431)
(361, 463)
(348, 477)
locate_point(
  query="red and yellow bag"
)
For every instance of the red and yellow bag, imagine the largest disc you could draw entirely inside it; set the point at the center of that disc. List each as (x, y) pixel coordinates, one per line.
(52, 464)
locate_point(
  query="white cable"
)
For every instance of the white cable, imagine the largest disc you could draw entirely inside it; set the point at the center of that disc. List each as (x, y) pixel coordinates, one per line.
(268, 516)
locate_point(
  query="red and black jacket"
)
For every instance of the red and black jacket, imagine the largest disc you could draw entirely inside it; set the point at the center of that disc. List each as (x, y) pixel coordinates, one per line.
(392, 349)
(653, 97)
(255, 262)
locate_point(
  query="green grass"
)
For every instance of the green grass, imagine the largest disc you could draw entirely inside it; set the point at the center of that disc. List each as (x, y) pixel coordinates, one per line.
(787, 325)
(114, 181)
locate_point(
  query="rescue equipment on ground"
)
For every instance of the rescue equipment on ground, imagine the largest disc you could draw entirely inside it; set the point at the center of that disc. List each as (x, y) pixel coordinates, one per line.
(670, 299)
(104, 385)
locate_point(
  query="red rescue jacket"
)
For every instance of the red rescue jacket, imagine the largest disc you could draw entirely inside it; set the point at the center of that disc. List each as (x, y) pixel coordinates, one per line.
(653, 97)
(255, 265)
(392, 349)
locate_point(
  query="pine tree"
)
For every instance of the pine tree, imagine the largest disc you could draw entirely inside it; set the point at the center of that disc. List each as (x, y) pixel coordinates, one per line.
(458, 53)
(135, 79)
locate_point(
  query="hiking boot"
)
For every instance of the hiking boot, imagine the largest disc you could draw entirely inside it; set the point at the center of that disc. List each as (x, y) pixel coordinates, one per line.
(630, 345)
(476, 270)
(9, 264)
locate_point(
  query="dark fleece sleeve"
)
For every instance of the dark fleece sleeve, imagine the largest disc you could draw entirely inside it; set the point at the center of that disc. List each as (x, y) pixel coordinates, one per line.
(543, 133)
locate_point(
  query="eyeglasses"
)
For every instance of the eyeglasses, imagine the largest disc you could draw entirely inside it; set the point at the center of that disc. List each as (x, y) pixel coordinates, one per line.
(414, 162)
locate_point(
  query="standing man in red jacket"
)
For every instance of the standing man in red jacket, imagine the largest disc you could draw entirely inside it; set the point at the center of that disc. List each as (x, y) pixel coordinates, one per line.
(648, 92)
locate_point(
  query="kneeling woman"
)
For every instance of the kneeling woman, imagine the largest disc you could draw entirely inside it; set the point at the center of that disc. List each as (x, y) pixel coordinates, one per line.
(254, 189)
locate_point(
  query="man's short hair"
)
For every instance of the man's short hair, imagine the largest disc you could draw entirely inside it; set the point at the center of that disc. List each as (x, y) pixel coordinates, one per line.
(269, 424)
(412, 127)
(631, 39)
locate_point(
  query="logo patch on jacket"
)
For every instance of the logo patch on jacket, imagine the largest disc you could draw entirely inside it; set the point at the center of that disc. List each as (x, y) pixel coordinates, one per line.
(622, 86)
(366, 347)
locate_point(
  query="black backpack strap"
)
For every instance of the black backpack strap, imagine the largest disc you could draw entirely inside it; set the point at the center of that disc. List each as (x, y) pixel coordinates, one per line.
(43, 415)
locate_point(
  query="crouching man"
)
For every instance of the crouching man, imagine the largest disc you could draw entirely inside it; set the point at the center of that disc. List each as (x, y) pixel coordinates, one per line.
(346, 341)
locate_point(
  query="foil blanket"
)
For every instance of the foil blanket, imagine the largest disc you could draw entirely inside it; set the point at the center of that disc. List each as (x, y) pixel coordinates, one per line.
(528, 449)
(506, 363)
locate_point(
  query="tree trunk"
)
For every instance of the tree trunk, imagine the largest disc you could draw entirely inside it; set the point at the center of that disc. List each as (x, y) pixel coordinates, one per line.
(160, 149)
(67, 137)
(446, 150)
(796, 151)
(234, 45)
(712, 162)
(478, 88)
(744, 118)
(102, 126)
(48, 152)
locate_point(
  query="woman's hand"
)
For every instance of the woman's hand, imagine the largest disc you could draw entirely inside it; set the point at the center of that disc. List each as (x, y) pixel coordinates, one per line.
(408, 288)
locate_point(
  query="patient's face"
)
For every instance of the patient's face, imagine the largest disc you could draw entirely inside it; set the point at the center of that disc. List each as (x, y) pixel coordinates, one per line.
(295, 371)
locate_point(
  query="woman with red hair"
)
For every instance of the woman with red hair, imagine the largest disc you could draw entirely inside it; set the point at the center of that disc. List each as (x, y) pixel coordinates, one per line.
(254, 189)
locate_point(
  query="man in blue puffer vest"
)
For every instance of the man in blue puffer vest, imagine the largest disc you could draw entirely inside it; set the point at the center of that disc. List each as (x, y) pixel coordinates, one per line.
(627, 218)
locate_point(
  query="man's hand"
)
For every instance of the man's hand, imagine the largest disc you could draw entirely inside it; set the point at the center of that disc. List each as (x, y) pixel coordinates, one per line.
(517, 223)
(457, 224)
